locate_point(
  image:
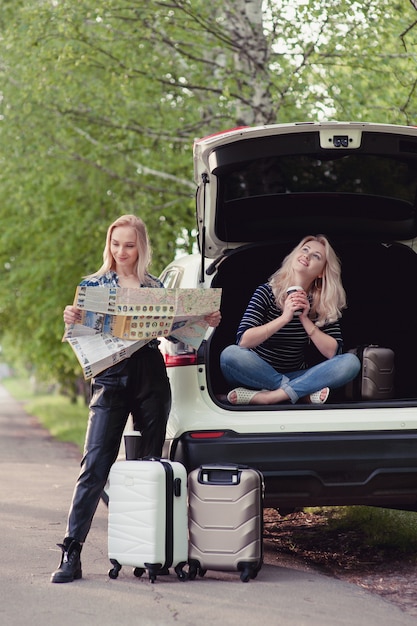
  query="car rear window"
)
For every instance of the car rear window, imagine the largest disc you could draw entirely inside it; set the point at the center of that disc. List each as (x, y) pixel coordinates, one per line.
(355, 174)
(356, 194)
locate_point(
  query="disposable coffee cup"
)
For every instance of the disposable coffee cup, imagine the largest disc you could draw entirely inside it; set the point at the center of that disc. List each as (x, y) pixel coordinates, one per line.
(292, 289)
(133, 442)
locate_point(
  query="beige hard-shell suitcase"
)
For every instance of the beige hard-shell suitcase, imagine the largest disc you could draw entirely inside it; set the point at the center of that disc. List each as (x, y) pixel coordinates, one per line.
(225, 524)
(375, 380)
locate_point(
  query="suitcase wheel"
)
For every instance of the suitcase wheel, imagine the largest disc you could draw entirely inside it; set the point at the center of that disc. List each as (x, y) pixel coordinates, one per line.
(194, 569)
(153, 570)
(138, 571)
(192, 572)
(247, 571)
(180, 572)
(114, 571)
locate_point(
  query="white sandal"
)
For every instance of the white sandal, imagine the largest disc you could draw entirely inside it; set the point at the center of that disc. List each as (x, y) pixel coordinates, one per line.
(315, 398)
(243, 395)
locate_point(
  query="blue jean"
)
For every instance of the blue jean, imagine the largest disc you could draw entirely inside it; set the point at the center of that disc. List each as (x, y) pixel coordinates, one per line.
(243, 367)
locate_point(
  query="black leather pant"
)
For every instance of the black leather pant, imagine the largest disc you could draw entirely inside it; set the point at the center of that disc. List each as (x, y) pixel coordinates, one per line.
(140, 386)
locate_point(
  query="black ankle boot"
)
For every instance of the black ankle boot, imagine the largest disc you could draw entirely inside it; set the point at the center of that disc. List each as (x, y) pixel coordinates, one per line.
(70, 566)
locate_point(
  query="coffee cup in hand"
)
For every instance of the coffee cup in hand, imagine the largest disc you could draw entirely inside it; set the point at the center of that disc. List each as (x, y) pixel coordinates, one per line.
(291, 290)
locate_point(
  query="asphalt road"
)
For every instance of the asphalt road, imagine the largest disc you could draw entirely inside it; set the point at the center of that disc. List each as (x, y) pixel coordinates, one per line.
(37, 475)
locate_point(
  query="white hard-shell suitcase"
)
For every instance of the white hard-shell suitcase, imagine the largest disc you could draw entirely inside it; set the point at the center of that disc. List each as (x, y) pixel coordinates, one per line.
(147, 524)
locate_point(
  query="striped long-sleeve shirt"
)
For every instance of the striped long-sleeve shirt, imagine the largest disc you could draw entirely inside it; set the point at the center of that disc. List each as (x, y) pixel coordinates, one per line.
(284, 350)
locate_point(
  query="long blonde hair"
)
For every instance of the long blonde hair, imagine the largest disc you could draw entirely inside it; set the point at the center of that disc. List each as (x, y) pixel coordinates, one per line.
(143, 245)
(328, 297)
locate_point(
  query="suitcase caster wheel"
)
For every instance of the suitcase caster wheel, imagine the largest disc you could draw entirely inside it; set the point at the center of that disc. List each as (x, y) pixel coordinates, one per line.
(182, 575)
(179, 570)
(194, 569)
(138, 571)
(114, 571)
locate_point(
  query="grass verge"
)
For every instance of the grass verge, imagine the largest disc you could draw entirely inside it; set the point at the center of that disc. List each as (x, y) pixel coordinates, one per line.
(381, 528)
(65, 421)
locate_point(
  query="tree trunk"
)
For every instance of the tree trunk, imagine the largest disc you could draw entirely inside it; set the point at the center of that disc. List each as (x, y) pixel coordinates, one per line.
(244, 22)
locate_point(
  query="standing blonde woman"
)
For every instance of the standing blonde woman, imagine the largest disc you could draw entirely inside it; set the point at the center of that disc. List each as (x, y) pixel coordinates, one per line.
(138, 385)
(267, 366)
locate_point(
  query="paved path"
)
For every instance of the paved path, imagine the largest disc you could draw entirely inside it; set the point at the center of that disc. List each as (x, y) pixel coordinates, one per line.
(37, 475)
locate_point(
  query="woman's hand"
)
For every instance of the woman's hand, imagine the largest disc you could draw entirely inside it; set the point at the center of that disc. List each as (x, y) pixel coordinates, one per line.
(213, 319)
(296, 301)
(305, 305)
(72, 315)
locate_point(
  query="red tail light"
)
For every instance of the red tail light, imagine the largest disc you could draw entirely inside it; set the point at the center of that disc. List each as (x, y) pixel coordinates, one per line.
(212, 434)
(177, 354)
(178, 360)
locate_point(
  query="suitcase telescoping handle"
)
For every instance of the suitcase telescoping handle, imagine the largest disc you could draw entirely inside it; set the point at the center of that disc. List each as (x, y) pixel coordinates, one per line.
(176, 482)
(219, 474)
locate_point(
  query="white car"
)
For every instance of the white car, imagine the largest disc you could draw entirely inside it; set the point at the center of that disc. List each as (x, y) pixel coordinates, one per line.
(259, 191)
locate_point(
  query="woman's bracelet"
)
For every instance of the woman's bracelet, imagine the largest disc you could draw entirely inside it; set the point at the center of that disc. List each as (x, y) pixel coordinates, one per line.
(313, 331)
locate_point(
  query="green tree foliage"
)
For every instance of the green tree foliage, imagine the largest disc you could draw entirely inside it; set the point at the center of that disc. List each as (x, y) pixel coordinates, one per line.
(100, 104)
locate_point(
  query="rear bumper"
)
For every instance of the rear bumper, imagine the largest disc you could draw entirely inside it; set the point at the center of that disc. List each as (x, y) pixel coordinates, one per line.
(377, 468)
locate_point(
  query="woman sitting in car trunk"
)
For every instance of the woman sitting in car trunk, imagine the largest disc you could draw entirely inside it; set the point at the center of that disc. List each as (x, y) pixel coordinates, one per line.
(267, 366)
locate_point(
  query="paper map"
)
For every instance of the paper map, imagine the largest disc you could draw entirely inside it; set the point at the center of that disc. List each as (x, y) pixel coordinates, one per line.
(115, 322)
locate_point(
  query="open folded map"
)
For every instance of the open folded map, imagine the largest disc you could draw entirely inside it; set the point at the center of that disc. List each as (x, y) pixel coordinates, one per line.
(115, 322)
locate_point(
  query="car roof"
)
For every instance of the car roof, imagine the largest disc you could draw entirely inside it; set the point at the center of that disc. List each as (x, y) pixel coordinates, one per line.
(344, 179)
